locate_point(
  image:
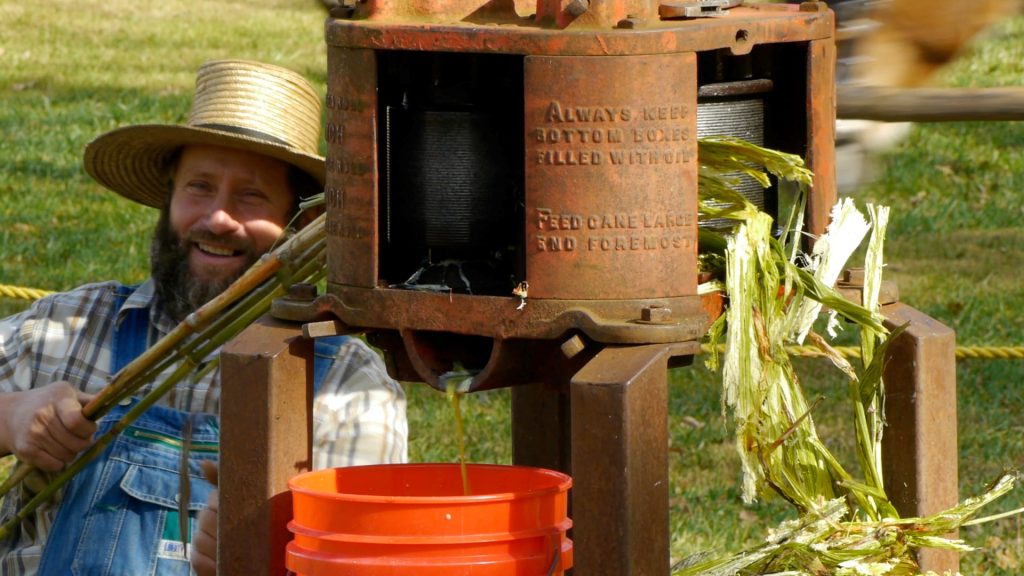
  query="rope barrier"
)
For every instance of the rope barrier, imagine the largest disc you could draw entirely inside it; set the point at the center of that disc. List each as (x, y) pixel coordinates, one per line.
(990, 352)
(962, 352)
(20, 293)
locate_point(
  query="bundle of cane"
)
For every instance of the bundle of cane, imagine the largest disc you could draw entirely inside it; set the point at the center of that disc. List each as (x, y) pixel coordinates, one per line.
(774, 294)
(300, 258)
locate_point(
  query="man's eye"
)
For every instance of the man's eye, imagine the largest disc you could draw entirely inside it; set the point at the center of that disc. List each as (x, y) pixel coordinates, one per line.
(253, 195)
(199, 185)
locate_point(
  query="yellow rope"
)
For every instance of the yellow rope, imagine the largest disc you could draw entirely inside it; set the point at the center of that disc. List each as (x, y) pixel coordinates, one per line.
(962, 352)
(990, 352)
(21, 293)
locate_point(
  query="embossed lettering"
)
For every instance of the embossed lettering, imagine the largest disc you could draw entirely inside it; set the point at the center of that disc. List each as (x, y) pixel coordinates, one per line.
(548, 221)
(661, 134)
(640, 220)
(335, 102)
(665, 112)
(568, 157)
(334, 197)
(674, 156)
(637, 243)
(333, 133)
(556, 112)
(581, 135)
(556, 243)
(345, 229)
(343, 166)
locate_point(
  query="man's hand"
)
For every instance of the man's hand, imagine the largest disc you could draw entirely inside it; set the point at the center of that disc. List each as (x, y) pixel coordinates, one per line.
(45, 426)
(203, 552)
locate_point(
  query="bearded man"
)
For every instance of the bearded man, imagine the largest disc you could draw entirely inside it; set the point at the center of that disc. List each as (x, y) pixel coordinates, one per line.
(227, 184)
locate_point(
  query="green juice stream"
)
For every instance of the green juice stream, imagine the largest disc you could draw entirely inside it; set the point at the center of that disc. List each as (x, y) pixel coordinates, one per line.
(454, 397)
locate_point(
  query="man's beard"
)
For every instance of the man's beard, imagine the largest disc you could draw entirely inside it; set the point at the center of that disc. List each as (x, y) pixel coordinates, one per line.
(178, 291)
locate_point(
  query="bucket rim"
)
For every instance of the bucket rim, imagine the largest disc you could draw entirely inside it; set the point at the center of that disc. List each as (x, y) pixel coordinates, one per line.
(561, 527)
(297, 557)
(563, 484)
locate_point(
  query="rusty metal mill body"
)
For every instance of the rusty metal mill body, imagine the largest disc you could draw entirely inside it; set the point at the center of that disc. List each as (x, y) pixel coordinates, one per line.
(608, 121)
(589, 109)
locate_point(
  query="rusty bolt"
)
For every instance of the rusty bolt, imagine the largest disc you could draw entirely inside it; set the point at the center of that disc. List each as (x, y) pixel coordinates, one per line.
(813, 7)
(322, 328)
(343, 10)
(629, 23)
(573, 346)
(854, 276)
(576, 8)
(301, 291)
(656, 314)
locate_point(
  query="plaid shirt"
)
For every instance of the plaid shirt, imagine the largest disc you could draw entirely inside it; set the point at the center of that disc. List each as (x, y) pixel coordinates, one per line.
(359, 412)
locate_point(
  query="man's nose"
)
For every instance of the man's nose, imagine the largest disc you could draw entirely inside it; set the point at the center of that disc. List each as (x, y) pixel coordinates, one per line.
(220, 217)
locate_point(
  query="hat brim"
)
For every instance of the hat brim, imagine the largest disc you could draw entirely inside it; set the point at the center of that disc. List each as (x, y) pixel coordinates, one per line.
(132, 160)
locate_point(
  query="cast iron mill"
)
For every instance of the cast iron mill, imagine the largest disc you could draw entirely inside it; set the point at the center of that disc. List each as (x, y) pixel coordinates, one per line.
(512, 189)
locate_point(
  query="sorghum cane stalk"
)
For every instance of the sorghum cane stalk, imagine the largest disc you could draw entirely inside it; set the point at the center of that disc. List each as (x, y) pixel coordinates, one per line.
(266, 267)
(846, 526)
(266, 291)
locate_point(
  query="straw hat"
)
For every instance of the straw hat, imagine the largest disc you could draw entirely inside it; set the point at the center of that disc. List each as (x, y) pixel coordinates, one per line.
(238, 104)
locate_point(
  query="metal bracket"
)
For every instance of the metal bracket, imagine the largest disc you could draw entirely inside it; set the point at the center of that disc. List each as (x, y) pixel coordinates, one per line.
(696, 8)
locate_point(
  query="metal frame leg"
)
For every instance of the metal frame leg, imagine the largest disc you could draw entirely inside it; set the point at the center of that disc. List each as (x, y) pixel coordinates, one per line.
(541, 428)
(619, 414)
(920, 443)
(266, 382)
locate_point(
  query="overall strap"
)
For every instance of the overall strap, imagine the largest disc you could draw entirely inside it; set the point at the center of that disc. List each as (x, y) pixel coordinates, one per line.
(125, 512)
(130, 336)
(325, 350)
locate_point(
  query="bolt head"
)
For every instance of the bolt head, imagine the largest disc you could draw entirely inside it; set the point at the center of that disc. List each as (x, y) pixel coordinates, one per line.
(302, 291)
(656, 314)
(573, 346)
(853, 276)
(576, 8)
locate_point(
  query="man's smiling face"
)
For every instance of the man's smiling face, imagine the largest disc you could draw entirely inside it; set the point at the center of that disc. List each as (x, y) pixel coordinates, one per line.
(227, 208)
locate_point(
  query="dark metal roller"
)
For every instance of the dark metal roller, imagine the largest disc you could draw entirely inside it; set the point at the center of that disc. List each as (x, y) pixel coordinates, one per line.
(450, 169)
(734, 109)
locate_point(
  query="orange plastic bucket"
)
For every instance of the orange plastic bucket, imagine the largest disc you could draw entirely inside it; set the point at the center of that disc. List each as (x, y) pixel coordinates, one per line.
(413, 519)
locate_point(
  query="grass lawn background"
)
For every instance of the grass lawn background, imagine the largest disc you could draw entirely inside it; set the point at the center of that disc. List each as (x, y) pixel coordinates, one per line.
(69, 72)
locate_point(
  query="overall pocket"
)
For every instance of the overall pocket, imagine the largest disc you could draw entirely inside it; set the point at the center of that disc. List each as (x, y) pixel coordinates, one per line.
(121, 516)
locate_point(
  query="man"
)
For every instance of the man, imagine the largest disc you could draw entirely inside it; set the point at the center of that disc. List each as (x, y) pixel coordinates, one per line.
(227, 183)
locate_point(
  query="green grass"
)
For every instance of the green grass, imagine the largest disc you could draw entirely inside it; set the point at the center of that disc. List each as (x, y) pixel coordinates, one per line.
(68, 74)
(956, 246)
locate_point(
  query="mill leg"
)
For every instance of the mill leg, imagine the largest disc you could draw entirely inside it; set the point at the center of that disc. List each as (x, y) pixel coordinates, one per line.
(266, 379)
(920, 443)
(541, 428)
(541, 419)
(619, 414)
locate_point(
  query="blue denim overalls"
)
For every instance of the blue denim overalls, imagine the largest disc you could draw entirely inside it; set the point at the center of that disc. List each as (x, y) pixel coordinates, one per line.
(119, 515)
